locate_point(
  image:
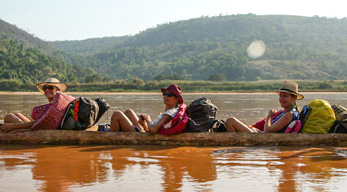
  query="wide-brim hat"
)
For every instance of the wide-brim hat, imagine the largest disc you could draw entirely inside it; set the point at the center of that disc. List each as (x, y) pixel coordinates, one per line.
(176, 90)
(292, 88)
(51, 82)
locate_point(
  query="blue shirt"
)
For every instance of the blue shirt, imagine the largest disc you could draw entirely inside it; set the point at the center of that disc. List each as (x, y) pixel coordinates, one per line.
(295, 117)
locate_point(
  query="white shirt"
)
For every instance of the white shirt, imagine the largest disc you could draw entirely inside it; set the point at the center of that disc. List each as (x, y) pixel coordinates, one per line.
(172, 112)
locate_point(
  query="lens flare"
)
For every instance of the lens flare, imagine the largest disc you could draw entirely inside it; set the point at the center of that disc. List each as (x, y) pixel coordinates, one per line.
(256, 49)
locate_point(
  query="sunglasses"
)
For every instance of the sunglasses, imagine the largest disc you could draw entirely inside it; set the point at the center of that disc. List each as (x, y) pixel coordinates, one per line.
(50, 88)
(168, 94)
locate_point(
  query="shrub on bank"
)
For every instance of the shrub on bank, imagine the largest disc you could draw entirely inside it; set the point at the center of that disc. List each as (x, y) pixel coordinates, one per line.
(187, 86)
(10, 85)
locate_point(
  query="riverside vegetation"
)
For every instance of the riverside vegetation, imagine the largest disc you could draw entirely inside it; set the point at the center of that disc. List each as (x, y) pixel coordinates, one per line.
(187, 86)
(203, 54)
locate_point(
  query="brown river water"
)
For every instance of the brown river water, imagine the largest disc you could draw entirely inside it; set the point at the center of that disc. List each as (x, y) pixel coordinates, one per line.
(162, 168)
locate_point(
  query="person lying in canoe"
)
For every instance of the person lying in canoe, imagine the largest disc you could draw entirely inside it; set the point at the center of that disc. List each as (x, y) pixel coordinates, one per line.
(14, 121)
(130, 122)
(276, 121)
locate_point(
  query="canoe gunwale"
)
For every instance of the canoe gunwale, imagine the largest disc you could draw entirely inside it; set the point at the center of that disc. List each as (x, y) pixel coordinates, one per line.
(63, 137)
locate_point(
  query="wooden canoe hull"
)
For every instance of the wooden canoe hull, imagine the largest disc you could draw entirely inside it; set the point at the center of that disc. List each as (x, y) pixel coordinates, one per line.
(62, 137)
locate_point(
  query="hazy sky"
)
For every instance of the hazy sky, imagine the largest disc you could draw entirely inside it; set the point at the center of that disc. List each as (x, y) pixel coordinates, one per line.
(83, 19)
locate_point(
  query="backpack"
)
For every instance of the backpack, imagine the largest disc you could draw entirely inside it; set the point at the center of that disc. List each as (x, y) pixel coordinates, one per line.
(218, 126)
(293, 127)
(83, 113)
(340, 112)
(340, 125)
(304, 114)
(178, 122)
(319, 119)
(201, 113)
(49, 116)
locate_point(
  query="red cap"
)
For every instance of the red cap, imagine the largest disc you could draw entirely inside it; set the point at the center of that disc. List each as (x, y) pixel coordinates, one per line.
(176, 90)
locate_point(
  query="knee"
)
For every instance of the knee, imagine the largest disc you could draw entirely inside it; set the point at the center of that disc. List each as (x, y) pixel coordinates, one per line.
(9, 118)
(230, 120)
(116, 115)
(129, 111)
(10, 115)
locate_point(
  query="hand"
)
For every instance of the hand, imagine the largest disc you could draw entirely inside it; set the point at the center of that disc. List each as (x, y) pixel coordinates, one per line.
(271, 113)
(141, 121)
(145, 117)
(144, 125)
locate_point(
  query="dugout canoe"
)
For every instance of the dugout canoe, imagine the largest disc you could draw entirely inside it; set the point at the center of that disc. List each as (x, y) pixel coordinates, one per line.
(63, 137)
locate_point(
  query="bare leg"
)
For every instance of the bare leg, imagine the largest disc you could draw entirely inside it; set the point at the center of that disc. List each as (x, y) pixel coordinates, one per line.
(22, 117)
(15, 118)
(133, 118)
(235, 125)
(120, 122)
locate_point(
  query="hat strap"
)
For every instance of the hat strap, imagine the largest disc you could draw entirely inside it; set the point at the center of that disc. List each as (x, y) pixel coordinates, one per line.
(289, 90)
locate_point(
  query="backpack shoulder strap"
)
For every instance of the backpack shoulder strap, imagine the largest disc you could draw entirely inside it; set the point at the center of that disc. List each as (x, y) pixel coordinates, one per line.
(178, 122)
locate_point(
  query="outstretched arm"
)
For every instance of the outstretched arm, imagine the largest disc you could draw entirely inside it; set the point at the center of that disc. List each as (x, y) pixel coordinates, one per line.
(279, 124)
(154, 128)
(7, 127)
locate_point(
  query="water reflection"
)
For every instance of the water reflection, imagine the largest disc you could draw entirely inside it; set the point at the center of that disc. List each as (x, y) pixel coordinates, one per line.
(155, 168)
(288, 168)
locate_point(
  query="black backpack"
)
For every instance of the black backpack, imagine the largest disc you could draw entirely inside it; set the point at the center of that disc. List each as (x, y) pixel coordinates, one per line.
(218, 126)
(202, 113)
(83, 113)
(339, 127)
(340, 112)
(305, 112)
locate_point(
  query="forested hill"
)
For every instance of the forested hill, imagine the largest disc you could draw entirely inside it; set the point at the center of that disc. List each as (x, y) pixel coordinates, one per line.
(306, 32)
(27, 59)
(89, 46)
(206, 48)
(9, 31)
(22, 64)
(215, 48)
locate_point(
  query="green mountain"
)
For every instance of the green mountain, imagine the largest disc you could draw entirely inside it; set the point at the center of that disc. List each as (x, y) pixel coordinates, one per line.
(207, 47)
(22, 60)
(215, 48)
(88, 46)
(9, 31)
(30, 65)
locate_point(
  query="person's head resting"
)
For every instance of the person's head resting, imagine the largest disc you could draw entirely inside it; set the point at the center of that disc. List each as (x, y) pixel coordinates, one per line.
(173, 91)
(289, 94)
(50, 87)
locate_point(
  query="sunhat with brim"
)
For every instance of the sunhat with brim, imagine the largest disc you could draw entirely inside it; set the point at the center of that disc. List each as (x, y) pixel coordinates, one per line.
(176, 90)
(292, 88)
(51, 82)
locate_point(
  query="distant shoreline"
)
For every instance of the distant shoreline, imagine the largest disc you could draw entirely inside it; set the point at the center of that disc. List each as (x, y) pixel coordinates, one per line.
(156, 93)
(191, 87)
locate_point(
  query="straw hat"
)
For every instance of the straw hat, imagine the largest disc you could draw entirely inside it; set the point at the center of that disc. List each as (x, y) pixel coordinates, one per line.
(292, 88)
(53, 82)
(176, 90)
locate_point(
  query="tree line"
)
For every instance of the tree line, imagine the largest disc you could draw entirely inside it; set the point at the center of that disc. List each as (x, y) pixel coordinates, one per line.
(20, 63)
(206, 48)
(215, 48)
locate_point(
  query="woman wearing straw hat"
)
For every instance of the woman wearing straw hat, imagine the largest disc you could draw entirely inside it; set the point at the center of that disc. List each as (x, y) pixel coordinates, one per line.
(276, 121)
(130, 122)
(18, 121)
